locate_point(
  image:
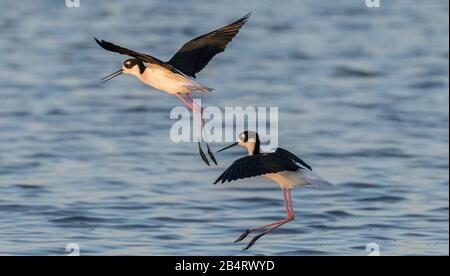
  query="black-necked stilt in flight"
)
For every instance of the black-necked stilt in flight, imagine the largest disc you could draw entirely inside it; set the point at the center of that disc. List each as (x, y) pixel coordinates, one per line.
(281, 166)
(177, 76)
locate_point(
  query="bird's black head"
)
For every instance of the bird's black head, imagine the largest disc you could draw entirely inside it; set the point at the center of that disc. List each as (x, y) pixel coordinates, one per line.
(249, 140)
(129, 64)
(249, 136)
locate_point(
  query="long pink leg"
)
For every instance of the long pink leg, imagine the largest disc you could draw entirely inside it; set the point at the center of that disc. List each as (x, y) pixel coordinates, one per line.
(185, 102)
(213, 158)
(290, 217)
(201, 111)
(279, 221)
(197, 129)
(290, 203)
(202, 154)
(197, 126)
(286, 203)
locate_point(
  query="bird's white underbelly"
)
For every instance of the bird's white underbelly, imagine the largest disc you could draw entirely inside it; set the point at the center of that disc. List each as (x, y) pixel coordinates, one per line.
(165, 80)
(289, 179)
(286, 179)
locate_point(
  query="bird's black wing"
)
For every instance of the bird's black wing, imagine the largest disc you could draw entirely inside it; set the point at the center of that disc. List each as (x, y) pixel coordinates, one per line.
(293, 157)
(195, 54)
(124, 51)
(256, 165)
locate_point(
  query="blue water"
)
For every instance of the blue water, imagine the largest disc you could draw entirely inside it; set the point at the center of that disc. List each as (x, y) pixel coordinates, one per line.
(362, 95)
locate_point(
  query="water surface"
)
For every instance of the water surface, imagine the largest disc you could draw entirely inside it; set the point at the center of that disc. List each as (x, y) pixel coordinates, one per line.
(362, 95)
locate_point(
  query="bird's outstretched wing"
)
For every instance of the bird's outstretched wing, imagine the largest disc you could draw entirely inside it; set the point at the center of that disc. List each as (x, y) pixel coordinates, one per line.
(124, 51)
(195, 54)
(293, 157)
(256, 165)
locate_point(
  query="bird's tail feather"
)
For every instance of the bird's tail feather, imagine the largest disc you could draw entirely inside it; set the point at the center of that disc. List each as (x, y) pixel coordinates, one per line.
(199, 88)
(313, 180)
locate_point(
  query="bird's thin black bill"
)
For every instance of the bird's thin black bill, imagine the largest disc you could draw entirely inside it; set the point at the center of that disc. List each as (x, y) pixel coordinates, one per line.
(113, 75)
(230, 146)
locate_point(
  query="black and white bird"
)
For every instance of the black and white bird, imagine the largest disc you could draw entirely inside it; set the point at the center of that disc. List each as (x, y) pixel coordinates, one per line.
(177, 76)
(281, 166)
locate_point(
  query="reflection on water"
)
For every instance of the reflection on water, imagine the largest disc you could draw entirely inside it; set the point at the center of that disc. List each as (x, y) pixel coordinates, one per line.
(362, 95)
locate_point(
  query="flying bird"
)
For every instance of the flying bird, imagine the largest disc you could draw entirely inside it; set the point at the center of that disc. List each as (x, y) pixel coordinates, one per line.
(281, 166)
(178, 75)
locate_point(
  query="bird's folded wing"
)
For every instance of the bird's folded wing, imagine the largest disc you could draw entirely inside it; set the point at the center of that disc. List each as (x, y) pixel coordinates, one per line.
(293, 157)
(124, 51)
(256, 165)
(195, 54)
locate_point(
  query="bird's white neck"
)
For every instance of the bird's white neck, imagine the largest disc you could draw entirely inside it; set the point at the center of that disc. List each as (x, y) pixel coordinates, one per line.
(251, 148)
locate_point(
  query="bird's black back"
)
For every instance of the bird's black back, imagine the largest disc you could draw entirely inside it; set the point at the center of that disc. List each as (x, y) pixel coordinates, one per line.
(293, 157)
(256, 165)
